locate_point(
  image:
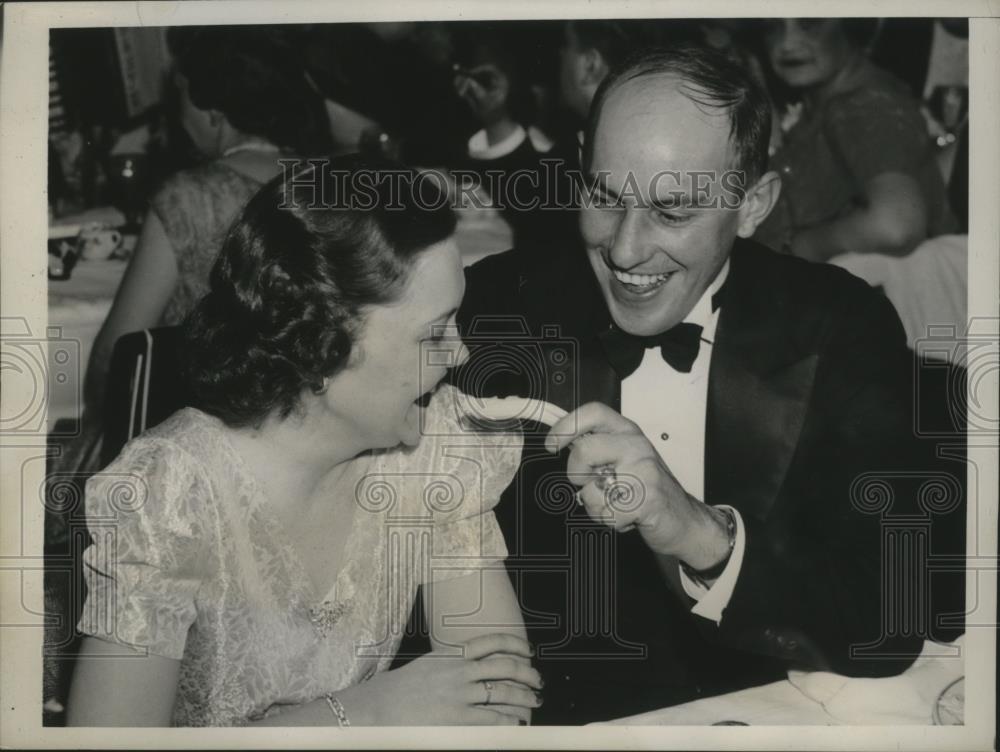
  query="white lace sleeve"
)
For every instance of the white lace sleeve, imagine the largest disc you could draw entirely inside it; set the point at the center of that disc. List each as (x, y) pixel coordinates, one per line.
(146, 514)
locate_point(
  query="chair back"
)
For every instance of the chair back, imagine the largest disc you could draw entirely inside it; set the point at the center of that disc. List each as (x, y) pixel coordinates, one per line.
(144, 386)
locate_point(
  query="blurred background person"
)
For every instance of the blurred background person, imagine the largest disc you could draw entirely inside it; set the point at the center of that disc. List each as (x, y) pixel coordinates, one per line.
(245, 104)
(858, 170)
(588, 50)
(491, 77)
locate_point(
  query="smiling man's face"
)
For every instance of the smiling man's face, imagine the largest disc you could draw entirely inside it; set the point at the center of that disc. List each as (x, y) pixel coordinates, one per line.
(654, 249)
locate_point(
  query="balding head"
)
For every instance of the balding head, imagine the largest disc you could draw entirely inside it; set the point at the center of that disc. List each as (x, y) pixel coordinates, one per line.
(709, 80)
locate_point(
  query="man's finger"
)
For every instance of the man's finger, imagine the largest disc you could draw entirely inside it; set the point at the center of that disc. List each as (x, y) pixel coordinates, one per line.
(595, 450)
(593, 417)
(618, 506)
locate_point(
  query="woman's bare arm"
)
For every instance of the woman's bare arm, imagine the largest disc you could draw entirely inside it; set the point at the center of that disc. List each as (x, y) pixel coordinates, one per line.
(142, 296)
(893, 223)
(472, 605)
(116, 686)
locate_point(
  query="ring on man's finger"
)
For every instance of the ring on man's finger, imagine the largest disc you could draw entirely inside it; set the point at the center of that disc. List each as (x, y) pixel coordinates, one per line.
(605, 477)
(488, 686)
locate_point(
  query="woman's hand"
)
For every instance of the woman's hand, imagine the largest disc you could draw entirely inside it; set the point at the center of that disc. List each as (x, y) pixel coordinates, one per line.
(492, 684)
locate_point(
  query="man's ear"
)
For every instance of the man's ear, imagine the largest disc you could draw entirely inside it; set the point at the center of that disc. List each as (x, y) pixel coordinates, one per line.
(593, 68)
(760, 199)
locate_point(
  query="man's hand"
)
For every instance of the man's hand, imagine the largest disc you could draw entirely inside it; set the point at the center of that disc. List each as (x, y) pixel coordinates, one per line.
(643, 493)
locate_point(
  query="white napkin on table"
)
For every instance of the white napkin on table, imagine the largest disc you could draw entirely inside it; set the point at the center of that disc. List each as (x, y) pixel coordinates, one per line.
(906, 699)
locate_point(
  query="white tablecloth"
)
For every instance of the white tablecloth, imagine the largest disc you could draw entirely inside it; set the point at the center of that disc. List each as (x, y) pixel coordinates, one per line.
(824, 699)
(929, 288)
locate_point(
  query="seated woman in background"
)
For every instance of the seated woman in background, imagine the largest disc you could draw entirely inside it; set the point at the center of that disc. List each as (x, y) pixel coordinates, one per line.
(256, 558)
(245, 104)
(506, 152)
(857, 169)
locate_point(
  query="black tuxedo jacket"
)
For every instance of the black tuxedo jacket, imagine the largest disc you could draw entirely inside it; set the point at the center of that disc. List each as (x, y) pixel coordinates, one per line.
(809, 434)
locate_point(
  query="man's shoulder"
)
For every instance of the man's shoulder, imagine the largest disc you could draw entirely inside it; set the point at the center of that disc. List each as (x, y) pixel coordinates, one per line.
(790, 281)
(809, 301)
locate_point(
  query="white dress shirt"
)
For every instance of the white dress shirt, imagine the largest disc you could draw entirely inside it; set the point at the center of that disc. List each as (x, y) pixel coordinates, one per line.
(669, 407)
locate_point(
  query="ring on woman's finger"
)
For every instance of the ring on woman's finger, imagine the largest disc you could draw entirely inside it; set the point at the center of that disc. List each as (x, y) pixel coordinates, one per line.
(488, 686)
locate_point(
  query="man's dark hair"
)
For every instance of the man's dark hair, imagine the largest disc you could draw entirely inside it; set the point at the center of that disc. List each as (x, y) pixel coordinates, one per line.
(288, 292)
(711, 80)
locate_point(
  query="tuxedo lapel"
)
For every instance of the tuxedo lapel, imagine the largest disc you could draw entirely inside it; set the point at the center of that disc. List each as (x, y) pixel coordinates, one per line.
(759, 387)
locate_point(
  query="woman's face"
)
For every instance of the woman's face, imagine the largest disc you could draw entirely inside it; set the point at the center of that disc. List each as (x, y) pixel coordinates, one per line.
(403, 352)
(807, 52)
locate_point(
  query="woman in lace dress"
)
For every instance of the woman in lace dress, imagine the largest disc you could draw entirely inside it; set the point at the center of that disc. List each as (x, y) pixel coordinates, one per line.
(255, 559)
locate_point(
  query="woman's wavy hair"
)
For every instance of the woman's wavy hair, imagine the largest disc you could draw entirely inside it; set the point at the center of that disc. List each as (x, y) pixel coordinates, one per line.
(288, 292)
(254, 77)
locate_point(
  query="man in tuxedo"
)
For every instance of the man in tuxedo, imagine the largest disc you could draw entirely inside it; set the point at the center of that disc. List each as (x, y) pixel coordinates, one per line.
(706, 517)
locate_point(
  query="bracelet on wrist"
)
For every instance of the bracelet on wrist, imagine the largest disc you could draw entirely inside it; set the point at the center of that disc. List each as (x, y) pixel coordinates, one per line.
(337, 708)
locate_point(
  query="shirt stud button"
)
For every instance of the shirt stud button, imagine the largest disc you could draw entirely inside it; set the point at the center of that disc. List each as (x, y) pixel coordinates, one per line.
(664, 436)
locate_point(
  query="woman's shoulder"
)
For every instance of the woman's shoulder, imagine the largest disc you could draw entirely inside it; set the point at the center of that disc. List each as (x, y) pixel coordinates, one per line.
(188, 442)
(164, 479)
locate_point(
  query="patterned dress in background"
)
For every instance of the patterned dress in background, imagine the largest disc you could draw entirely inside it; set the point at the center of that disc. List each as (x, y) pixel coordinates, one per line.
(196, 208)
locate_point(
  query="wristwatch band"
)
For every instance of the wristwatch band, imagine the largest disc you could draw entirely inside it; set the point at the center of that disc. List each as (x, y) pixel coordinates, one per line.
(704, 576)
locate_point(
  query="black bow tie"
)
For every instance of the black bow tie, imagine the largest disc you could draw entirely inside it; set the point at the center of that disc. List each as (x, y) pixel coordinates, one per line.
(678, 346)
